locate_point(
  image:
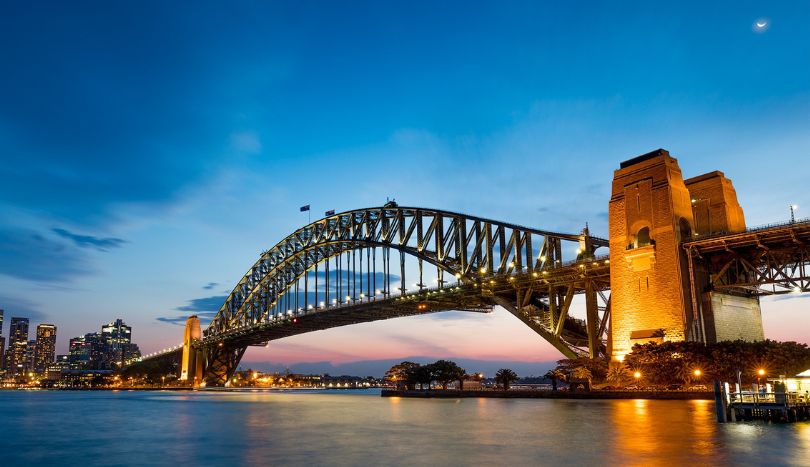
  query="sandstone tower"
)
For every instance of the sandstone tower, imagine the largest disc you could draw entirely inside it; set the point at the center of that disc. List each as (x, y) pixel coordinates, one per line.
(191, 366)
(652, 212)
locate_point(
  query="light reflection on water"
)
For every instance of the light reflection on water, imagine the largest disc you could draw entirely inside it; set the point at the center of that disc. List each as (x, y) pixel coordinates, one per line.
(359, 427)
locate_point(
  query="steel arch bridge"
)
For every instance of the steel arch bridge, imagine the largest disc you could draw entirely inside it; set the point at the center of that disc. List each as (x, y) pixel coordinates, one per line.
(352, 267)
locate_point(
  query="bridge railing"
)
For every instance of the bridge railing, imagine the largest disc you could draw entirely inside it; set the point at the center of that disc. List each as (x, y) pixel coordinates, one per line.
(755, 229)
(160, 353)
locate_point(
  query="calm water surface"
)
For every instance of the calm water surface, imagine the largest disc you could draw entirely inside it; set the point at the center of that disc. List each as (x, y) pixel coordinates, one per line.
(361, 428)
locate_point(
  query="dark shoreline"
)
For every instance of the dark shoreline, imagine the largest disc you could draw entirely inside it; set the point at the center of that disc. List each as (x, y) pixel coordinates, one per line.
(594, 395)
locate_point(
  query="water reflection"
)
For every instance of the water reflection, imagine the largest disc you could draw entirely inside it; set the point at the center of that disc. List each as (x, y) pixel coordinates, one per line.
(659, 432)
(131, 428)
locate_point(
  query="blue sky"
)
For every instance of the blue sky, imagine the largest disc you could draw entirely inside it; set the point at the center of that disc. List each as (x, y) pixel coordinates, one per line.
(150, 151)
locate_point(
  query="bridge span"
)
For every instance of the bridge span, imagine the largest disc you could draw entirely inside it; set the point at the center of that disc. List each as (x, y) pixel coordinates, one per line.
(680, 264)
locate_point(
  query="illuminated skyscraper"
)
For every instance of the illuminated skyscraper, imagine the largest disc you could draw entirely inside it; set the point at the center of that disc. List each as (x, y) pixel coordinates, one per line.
(17, 346)
(118, 338)
(2, 344)
(45, 347)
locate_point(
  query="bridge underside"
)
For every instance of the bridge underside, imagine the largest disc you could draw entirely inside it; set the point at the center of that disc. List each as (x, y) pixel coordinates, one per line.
(541, 301)
(768, 261)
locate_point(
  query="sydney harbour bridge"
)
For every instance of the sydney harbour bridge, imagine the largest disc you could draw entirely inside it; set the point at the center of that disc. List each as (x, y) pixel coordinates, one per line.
(680, 264)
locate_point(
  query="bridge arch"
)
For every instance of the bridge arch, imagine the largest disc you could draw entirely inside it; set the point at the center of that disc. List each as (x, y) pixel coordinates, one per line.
(471, 250)
(466, 247)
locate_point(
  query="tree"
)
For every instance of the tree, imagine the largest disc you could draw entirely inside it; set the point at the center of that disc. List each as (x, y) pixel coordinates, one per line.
(597, 367)
(445, 371)
(402, 375)
(555, 376)
(581, 373)
(505, 377)
(423, 375)
(618, 375)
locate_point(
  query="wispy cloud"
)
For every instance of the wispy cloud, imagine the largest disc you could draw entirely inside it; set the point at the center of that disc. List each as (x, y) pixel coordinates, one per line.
(210, 285)
(21, 307)
(204, 304)
(89, 241)
(26, 254)
(205, 318)
(205, 308)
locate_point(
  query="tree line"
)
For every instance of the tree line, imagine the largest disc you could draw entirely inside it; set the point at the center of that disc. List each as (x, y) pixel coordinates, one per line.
(684, 363)
(409, 375)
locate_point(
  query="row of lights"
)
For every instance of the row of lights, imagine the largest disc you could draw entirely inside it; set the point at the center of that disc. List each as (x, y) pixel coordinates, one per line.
(161, 352)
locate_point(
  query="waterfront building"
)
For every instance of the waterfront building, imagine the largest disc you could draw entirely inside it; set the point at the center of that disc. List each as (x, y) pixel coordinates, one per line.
(55, 369)
(86, 378)
(45, 347)
(17, 346)
(799, 384)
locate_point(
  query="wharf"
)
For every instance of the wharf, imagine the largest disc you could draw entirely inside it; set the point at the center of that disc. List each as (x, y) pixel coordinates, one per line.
(769, 406)
(778, 407)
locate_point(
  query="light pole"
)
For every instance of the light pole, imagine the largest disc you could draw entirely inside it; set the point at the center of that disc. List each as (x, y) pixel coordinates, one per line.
(793, 209)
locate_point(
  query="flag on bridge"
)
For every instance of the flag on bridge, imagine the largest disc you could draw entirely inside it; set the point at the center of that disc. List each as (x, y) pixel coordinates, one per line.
(305, 208)
(330, 212)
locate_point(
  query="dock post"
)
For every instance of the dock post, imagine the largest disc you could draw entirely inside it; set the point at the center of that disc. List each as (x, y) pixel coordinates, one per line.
(719, 403)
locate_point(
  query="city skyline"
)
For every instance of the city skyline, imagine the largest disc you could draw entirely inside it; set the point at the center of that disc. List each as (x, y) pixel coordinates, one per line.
(153, 195)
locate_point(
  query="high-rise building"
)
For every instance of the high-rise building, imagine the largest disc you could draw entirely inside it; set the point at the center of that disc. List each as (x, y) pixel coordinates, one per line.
(45, 347)
(2, 344)
(79, 353)
(109, 349)
(88, 352)
(118, 338)
(30, 350)
(17, 346)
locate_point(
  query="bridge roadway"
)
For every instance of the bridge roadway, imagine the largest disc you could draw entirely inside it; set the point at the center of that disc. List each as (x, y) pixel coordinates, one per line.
(768, 260)
(475, 297)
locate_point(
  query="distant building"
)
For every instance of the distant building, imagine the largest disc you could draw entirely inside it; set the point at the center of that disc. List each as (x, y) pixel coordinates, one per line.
(59, 366)
(2, 344)
(17, 347)
(109, 349)
(29, 355)
(118, 338)
(84, 351)
(45, 347)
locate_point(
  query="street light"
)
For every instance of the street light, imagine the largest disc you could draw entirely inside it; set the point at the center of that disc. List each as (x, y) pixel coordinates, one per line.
(698, 374)
(760, 374)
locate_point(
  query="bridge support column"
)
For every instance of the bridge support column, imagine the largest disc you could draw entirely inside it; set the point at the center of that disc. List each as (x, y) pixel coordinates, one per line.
(551, 338)
(221, 363)
(592, 321)
(191, 368)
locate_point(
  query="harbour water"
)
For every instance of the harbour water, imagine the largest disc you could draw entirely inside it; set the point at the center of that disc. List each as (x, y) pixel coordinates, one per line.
(361, 428)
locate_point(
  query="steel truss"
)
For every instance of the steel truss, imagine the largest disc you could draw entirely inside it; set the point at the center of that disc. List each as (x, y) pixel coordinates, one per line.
(770, 261)
(478, 263)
